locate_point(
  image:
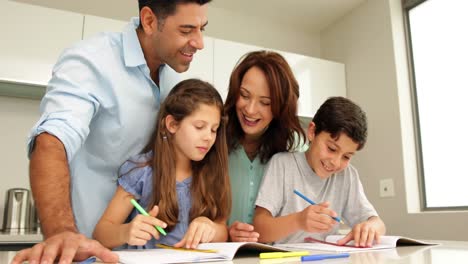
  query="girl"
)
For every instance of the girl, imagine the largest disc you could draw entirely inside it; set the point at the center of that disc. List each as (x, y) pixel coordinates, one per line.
(262, 108)
(181, 178)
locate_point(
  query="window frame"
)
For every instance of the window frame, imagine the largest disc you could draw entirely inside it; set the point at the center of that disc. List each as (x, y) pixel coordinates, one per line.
(407, 6)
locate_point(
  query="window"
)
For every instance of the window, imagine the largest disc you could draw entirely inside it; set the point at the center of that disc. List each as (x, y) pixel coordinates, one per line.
(438, 41)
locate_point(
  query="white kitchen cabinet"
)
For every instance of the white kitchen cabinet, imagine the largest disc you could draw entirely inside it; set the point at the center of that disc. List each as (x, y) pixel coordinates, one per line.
(201, 66)
(32, 39)
(318, 79)
(226, 56)
(94, 24)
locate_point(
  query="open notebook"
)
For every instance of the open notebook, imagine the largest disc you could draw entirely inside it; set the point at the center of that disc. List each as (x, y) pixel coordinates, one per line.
(386, 242)
(225, 251)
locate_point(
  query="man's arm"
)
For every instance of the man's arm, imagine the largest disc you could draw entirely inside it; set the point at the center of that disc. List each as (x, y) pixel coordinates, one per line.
(50, 184)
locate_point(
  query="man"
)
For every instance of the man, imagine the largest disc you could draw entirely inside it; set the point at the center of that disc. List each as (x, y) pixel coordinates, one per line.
(100, 109)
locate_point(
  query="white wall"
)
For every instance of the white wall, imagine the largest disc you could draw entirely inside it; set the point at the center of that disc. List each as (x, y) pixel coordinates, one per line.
(369, 41)
(17, 116)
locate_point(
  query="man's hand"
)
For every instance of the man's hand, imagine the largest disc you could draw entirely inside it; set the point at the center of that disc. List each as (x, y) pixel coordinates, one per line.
(64, 247)
(242, 232)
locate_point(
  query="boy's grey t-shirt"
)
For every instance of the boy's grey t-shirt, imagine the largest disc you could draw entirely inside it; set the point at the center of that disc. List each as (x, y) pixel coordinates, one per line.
(288, 171)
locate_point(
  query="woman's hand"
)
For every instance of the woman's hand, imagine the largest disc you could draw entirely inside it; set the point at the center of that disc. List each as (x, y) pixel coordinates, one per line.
(242, 232)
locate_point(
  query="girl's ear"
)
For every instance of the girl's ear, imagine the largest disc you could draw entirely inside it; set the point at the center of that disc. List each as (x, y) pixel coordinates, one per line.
(171, 124)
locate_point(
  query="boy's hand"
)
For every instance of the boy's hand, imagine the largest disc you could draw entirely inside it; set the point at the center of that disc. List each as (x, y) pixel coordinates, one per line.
(141, 228)
(364, 234)
(317, 218)
(200, 230)
(242, 232)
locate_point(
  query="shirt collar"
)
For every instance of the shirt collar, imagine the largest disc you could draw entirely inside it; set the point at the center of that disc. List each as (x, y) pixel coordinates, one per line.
(133, 54)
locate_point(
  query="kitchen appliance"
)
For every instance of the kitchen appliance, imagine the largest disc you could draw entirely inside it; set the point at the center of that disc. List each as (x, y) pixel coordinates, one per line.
(20, 223)
(17, 210)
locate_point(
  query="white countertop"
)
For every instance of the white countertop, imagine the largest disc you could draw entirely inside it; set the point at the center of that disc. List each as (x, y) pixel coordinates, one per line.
(20, 237)
(446, 252)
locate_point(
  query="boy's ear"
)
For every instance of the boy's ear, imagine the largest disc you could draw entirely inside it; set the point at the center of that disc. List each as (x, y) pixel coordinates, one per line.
(171, 124)
(311, 131)
(148, 20)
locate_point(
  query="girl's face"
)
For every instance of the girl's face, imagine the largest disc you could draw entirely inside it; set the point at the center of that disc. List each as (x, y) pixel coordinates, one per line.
(327, 155)
(254, 104)
(196, 133)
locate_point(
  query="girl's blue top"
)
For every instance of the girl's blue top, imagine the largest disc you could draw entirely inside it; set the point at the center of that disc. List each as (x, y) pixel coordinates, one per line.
(138, 181)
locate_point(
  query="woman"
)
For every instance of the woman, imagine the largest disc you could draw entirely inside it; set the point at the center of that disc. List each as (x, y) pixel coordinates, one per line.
(262, 108)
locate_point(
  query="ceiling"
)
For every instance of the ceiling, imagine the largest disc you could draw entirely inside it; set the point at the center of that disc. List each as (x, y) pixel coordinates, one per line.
(310, 16)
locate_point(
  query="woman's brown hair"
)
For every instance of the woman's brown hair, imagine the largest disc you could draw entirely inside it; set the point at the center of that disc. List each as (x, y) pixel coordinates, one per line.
(284, 93)
(210, 189)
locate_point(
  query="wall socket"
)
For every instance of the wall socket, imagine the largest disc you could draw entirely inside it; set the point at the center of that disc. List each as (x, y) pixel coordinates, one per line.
(386, 188)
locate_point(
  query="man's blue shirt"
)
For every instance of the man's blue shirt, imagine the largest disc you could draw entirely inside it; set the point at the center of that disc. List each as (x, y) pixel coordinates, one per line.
(102, 104)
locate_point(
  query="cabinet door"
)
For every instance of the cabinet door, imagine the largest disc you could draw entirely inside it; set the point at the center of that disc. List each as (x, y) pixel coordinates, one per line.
(201, 66)
(318, 79)
(226, 56)
(32, 39)
(94, 25)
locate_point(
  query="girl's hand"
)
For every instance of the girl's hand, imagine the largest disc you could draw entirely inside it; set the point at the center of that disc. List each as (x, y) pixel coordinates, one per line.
(201, 230)
(364, 234)
(317, 218)
(141, 228)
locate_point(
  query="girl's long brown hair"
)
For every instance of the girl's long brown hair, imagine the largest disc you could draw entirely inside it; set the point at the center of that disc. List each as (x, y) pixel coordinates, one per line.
(210, 190)
(284, 93)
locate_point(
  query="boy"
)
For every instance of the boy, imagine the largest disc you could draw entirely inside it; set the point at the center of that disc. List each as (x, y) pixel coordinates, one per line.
(322, 173)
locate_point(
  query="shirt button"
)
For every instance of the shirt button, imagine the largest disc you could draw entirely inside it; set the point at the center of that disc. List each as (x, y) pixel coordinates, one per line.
(251, 183)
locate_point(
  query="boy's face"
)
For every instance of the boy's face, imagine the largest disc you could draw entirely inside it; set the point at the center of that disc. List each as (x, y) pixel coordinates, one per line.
(327, 155)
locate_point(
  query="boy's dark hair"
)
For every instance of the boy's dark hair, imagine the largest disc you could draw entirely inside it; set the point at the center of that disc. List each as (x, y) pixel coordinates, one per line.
(164, 8)
(340, 115)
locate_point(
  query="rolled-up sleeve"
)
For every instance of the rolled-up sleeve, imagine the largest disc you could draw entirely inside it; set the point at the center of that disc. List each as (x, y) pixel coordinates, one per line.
(69, 104)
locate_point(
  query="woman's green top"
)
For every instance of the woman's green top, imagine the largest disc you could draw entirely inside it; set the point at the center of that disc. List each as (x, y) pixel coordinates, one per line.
(246, 176)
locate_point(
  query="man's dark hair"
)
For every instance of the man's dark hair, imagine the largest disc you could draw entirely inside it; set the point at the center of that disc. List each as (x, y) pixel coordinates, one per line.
(164, 8)
(340, 115)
